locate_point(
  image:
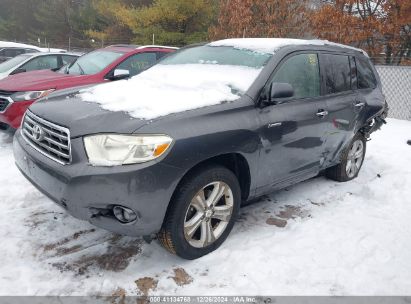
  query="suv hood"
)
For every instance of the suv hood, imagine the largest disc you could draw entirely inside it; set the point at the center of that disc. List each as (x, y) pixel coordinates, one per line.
(66, 109)
(162, 91)
(39, 80)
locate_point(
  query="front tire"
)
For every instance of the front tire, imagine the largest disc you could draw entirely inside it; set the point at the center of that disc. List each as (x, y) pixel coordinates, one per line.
(202, 212)
(352, 160)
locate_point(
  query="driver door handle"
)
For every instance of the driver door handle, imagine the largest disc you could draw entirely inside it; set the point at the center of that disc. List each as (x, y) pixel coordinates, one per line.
(275, 124)
(359, 104)
(322, 113)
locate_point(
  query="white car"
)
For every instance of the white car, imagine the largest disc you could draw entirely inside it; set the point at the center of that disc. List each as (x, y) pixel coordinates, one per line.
(7, 44)
(34, 62)
(9, 50)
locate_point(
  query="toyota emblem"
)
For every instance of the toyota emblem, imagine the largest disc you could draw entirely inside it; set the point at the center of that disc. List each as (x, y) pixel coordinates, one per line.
(38, 133)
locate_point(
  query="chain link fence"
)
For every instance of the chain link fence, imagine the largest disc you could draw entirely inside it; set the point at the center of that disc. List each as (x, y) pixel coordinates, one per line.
(396, 83)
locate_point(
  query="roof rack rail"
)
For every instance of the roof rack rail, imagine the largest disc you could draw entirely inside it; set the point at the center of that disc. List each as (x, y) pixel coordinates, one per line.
(131, 46)
(157, 46)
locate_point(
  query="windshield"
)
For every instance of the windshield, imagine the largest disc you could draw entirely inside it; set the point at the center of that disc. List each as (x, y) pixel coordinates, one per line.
(13, 63)
(221, 55)
(93, 63)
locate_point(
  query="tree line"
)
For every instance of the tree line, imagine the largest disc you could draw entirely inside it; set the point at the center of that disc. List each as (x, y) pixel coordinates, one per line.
(381, 27)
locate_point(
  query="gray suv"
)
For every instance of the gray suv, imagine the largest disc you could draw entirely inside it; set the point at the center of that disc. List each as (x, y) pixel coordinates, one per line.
(174, 152)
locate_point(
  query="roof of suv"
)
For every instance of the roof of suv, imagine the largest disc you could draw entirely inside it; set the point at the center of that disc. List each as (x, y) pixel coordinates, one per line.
(271, 45)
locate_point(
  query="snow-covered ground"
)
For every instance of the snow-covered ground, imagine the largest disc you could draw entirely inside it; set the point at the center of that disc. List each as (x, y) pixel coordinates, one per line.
(316, 238)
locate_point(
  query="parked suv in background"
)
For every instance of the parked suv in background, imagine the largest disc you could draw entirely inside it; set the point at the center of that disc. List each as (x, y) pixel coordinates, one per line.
(35, 62)
(174, 151)
(10, 50)
(8, 53)
(18, 92)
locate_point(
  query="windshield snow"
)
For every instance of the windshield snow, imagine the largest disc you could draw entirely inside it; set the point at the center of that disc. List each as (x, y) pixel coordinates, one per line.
(189, 79)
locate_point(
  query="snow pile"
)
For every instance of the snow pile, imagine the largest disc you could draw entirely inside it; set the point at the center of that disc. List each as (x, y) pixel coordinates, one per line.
(339, 239)
(271, 45)
(167, 89)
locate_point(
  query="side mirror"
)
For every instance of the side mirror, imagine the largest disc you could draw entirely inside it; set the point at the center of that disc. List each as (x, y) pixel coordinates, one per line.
(120, 74)
(280, 91)
(18, 71)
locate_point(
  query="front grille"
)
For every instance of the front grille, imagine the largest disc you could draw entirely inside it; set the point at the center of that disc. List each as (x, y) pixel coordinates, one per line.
(5, 99)
(6, 93)
(48, 138)
(4, 102)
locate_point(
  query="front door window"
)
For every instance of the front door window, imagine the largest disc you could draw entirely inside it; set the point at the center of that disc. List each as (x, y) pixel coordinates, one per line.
(303, 73)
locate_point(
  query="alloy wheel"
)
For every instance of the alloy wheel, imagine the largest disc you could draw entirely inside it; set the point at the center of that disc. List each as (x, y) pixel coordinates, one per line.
(355, 158)
(208, 214)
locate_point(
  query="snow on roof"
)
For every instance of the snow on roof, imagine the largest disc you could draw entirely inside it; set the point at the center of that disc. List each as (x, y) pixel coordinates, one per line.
(271, 45)
(167, 89)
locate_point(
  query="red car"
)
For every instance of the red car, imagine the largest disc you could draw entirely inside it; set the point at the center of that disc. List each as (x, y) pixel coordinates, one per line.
(116, 62)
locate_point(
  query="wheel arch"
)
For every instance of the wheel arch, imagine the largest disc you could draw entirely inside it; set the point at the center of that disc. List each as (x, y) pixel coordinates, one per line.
(234, 162)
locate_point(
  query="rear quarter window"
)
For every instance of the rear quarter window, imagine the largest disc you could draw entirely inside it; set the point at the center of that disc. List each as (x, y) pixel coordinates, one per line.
(365, 74)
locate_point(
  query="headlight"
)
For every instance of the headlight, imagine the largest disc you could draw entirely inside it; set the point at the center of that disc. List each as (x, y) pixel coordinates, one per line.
(116, 150)
(31, 95)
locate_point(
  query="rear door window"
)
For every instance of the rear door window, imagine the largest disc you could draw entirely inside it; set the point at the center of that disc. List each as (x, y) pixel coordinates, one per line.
(365, 75)
(41, 63)
(337, 73)
(302, 73)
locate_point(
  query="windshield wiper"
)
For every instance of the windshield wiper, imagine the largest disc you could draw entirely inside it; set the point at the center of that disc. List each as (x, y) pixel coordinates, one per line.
(67, 71)
(81, 69)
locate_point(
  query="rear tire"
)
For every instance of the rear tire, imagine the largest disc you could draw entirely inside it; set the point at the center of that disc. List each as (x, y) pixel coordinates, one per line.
(352, 160)
(202, 212)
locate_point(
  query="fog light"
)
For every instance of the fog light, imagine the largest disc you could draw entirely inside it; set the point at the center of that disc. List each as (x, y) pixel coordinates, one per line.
(124, 215)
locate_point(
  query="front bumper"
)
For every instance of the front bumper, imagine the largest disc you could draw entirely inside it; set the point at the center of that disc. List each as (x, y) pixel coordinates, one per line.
(89, 193)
